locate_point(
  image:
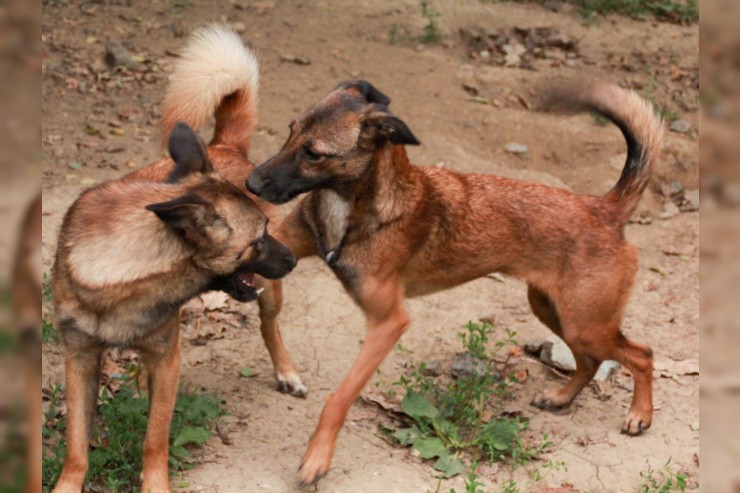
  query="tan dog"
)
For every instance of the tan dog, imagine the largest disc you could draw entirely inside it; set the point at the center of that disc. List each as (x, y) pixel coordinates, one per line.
(390, 230)
(131, 251)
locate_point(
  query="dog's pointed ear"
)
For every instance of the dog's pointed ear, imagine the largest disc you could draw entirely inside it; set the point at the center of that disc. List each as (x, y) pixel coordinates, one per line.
(190, 216)
(380, 126)
(188, 151)
(366, 90)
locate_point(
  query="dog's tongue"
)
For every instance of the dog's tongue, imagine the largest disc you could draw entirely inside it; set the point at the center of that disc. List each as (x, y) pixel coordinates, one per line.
(247, 278)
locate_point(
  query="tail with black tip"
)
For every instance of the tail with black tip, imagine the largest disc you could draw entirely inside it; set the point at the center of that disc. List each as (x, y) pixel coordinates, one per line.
(216, 75)
(641, 127)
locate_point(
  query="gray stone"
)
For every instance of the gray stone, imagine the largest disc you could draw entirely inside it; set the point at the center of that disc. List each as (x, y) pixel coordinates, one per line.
(680, 126)
(465, 365)
(669, 210)
(117, 55)
(516, 148)
(432, 368)
(690, 201)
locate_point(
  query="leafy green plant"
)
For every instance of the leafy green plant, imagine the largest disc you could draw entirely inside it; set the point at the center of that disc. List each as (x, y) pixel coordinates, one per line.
(49, 333)
(677, 11)
(680, 11)
(446, 421)
(116, 451)
(663, 480)
(431, 33)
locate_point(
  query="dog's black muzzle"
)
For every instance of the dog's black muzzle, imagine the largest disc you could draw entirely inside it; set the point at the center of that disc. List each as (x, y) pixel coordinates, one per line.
(274, 261)
(279, 182)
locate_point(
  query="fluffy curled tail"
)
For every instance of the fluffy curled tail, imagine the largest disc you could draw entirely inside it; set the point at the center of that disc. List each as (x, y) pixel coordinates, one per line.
(641, 127)
(216, 75)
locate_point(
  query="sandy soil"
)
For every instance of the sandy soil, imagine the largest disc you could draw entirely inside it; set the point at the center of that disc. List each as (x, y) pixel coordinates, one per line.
(100, 124)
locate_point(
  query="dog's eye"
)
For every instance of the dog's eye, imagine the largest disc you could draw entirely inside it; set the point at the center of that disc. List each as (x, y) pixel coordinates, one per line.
(311, 155)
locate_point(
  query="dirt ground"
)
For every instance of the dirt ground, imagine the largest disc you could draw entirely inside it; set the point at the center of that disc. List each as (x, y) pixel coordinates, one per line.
(99, 123)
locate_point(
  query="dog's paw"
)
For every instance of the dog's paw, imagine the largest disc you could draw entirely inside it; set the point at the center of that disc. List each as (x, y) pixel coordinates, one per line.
(550, 401)
(66, 487)
(315, 464)
(291, 384)
(636, 422)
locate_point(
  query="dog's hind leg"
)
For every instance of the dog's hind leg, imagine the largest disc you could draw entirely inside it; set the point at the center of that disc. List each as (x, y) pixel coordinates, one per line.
(545, 310)
(160, 353)
(270, 303)
(82, 367)
(638, 359)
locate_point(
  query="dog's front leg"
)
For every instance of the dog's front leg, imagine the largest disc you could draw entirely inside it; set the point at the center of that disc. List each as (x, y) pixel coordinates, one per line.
(295, 235)
(161, 356)
(382, 302)
(82, 368)
(270, 302)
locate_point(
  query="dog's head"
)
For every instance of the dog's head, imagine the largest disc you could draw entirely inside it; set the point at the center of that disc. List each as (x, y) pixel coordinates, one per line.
(331, 143)
(225, 229)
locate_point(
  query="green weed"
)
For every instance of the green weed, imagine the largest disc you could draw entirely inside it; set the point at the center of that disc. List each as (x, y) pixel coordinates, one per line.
(117, 448)
(678, 11)
(446, 421)
(663, 480)
(431, 33)
(49, 333)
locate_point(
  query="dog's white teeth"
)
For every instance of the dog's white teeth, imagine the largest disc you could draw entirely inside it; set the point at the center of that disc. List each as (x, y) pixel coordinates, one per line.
(259, 291)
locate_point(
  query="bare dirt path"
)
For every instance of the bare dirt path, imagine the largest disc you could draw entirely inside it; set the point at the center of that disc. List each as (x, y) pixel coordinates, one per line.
(100, 124)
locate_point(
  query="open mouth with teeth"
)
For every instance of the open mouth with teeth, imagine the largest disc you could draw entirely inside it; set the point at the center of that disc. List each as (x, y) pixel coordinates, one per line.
(240, 285)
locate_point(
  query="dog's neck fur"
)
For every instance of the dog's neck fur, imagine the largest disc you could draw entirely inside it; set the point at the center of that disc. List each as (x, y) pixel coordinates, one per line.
(139, 246)
(357, 209)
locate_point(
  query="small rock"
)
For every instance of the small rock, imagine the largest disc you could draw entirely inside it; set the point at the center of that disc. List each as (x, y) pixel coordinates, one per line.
(298, 60)
(534, 347)
(680, 126)
(116, 55)
(432, 368)
(464, 365)
(419, 47)
(690, 201)
(485, 54)
(516, 148)
(669, 210)
(672, 189)
(239, 27)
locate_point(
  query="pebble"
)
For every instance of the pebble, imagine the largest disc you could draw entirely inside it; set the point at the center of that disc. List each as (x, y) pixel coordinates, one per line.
(669, 210)
(117, 55)
(690, 201)
(432, 368)
(680, 126)
(516, 148)
(464, 365)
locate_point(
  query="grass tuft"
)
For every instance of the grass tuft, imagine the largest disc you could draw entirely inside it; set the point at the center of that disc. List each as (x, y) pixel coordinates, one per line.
(116, 452)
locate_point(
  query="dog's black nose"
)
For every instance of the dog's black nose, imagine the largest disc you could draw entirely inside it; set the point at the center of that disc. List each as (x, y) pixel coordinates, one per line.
(293, 260)
(255, 183)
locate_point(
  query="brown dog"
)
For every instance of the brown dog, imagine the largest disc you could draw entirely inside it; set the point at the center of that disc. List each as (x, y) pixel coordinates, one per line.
(390, 230)
(131, 251)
